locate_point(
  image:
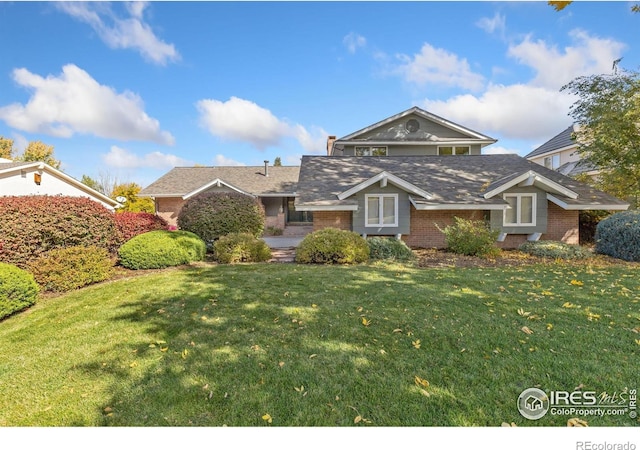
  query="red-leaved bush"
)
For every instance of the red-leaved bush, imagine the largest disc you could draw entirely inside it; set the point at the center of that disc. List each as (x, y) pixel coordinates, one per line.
(34, 225)
(131, 224)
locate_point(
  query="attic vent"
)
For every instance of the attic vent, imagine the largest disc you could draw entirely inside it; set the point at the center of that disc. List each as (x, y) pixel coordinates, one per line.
(412, 125)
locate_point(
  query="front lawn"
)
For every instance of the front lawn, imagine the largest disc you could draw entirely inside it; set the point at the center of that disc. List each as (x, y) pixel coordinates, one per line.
(292, 345)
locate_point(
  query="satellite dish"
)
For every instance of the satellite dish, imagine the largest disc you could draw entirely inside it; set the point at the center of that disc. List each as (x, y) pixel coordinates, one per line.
(121, 199)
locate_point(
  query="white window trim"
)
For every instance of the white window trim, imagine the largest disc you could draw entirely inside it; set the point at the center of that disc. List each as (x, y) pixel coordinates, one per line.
(368, 149)
(454, 147)
(380, 198)
(534, 199)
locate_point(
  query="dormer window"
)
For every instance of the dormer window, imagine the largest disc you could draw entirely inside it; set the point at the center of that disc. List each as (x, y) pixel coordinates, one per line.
(552, 162)
(371, 151)
(454, 150)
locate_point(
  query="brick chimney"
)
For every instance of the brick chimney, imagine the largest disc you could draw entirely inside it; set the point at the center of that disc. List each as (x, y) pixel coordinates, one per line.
(266, 167)
(330, 141)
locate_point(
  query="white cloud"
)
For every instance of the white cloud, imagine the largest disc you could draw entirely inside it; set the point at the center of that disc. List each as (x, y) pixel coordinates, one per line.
(440, 67)
(124, 159)
(553, 67)
(122, 32)
(498, 150)
(245, 121)
(76, 103)
(515, 111)
(353, 41)
(537, 109)
(494, 25)
(221, 160)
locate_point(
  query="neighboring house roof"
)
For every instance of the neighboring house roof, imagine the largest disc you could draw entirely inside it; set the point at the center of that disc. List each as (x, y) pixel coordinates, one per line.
(403, 135)
(450, 182)
(573, 168)
(185, 182)
(561, 141)
(11, 169)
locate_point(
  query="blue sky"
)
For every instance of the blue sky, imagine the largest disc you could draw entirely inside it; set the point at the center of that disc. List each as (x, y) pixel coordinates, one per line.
(131, 90)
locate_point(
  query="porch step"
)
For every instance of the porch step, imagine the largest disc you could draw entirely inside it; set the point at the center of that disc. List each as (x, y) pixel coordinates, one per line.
(283, 255)
(297, 230)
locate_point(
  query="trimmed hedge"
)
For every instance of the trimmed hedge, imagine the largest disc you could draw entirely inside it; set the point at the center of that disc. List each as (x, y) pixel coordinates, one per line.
(389, 249)
(241, 247)
(619, 236)
(65, 269)
(215, 214)
(332, 246)
(159, 249)
(34, 225)
(131, 224)
(18, 290)
(471, 237)
(555, 250)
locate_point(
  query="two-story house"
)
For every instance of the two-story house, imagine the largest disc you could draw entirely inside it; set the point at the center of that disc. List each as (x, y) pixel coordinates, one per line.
(405, 176)
(412, 173)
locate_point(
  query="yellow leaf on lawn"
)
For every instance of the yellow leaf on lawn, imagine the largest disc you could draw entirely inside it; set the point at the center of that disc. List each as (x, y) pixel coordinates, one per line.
(575, 422)
(523, 313)
(267, 418)
(133, 364)
(568, 305)
(281, 363)
(366, 322)
(638, 341)
(357, 419)
(577, 283)
(185, 352)
(526, 330)
(420, 381)
(549, 326)
(512, 424)
(397, 330)
(416, 343)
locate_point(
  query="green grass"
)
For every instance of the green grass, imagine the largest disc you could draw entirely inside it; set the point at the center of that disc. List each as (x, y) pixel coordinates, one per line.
(227, 345)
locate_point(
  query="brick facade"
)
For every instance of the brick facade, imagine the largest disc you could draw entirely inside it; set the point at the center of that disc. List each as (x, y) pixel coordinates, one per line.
(335, 219)
(561, 226)
(169, 208)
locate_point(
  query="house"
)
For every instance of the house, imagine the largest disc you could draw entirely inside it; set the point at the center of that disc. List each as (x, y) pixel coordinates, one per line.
(38, 178)
(561, 153)
(411, 174)
(274, 186)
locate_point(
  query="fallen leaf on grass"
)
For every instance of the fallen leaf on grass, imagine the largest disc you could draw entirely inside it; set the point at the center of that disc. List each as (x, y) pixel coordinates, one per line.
(526, 330)
(577, 283)
(267, 418)
(416, 343)
(523, 313)
(575, 422)
(420, 381)
(505, 424)
(366, 322)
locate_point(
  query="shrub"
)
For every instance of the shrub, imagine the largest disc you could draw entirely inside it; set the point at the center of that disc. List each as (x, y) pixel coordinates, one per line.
(34, 225)
(332, 246)
(619, 236)
(588, 222)
(18, 290)
(389, 249)
(555, 250)
(471, 237)
(159, 249)
(131, 224)
(65, 269)
(273, 231)
(214, 214)
(241, 247)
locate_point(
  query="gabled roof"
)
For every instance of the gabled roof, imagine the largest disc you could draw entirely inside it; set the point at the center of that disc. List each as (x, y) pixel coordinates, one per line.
(453, 182)
(17, 166)
(562, 140)
(405, 136)
(185, 182)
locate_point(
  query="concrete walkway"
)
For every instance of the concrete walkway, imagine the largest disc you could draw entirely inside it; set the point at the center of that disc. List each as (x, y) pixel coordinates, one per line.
(283, 248)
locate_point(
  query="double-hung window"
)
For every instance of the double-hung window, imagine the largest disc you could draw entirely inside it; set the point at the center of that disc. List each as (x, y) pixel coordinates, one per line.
(521, 211)
(381, 210)
(371, 151)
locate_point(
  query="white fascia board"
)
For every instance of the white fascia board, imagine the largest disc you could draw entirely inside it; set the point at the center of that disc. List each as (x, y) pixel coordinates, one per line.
(216, 182)
(457, 206)
(357, 143)
(283, 194)
(553, 151)
(531, 178)
(389, 177)
(604, 207)
(326, 207)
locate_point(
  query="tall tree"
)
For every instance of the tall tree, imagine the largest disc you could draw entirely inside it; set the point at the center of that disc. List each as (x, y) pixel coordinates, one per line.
(277, 162)
(607, 113)
(6, 148)
(133, 203)
(559, 6)
(39, 151)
